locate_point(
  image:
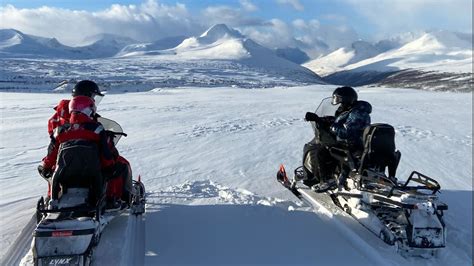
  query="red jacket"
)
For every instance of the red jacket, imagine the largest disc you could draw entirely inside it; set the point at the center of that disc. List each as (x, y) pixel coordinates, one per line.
(59, 118)
(82, 127)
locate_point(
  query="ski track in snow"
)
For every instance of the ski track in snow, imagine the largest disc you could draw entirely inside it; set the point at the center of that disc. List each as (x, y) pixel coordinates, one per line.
(21, 246)
(235, 126)
(208, 159)
(417, 134)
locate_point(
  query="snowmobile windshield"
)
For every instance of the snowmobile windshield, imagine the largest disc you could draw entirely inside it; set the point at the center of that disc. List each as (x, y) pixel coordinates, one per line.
(112, 127)
(326, 108)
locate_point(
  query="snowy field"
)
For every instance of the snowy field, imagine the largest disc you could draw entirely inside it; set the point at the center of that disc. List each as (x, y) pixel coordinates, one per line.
(208, 157)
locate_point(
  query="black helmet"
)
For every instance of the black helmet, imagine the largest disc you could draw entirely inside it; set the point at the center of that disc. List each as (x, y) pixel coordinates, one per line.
(86, 88)
(346, 96)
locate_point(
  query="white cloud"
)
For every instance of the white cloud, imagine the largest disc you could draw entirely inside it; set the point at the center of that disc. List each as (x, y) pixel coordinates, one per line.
(293, 3)
(146, 22)
(231, 16)
(247, 5)
(311, 36)
(389, 17)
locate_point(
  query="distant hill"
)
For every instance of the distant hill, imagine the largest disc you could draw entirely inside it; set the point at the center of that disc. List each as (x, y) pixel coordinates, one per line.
(220, 42)
(15, 44)
(294, 55)
(438, 60)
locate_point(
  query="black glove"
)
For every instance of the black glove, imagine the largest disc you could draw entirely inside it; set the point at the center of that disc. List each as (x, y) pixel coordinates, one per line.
(109, 172)
(311, 117)
(45, 172)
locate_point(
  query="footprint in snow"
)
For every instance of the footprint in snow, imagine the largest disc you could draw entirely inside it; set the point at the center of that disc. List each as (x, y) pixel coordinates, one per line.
(209, 192)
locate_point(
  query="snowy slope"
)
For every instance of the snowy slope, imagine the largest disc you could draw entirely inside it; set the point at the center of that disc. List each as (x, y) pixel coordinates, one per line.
(15, 44)
(442, 51)
(439, 60)
(150, 48)
(104, 45)
(294, 55)
(222, 43)
(219, 57)
(337, 60)
(208, 158)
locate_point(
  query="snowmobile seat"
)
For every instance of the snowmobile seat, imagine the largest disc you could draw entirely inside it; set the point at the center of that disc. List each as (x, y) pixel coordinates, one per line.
(78, 166)
(379, 149)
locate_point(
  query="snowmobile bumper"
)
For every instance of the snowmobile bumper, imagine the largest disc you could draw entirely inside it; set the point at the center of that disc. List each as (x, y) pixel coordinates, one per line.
(67, 242)
(63, 260)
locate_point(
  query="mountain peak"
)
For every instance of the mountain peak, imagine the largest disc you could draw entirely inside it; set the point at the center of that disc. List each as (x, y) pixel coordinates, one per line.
(441, 40)
(6, 34)
(220, 30)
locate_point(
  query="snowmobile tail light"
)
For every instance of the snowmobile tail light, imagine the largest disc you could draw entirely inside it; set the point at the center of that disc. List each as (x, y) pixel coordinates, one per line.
(61, 233)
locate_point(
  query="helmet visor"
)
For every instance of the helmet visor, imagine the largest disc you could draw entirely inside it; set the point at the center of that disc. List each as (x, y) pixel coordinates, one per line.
(336, 99)
(97, 98)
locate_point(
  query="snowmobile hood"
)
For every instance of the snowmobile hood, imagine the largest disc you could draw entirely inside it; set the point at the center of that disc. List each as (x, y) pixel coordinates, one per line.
(363, 107)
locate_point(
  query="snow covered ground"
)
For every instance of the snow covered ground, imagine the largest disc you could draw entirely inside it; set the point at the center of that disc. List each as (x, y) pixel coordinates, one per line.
(208, 157)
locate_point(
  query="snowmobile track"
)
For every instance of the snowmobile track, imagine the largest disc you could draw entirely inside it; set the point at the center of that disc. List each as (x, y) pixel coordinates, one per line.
(135, 244)
(323, 204)
(21, 245)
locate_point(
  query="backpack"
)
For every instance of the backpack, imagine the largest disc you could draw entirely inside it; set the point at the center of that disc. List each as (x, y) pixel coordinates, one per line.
(379, 149)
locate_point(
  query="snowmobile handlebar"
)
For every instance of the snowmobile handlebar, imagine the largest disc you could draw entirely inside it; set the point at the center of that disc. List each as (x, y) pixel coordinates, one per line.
(117, 133)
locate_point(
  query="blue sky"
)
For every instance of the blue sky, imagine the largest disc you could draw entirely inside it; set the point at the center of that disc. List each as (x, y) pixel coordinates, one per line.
(271, 22)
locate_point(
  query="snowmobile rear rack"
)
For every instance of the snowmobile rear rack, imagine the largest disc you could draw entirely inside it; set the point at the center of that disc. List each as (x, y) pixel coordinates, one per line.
(426, 181)
(383, 199)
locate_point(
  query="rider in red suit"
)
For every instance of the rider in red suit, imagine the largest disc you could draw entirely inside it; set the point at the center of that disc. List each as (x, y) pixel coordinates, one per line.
(76, 121)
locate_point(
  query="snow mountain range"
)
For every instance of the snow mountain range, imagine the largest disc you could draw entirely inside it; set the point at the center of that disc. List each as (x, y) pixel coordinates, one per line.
(219, 57)
(16, 44)
(437, 60)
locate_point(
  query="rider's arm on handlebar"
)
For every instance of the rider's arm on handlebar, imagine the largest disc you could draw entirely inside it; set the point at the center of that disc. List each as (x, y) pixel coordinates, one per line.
(311, 117)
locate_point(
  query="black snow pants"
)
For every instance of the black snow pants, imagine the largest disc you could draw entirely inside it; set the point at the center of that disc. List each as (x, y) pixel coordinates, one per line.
(78, 166)
(318, 164)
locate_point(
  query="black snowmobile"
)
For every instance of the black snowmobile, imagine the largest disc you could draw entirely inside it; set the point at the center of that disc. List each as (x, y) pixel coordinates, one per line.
(68, 233)
(406, 214)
